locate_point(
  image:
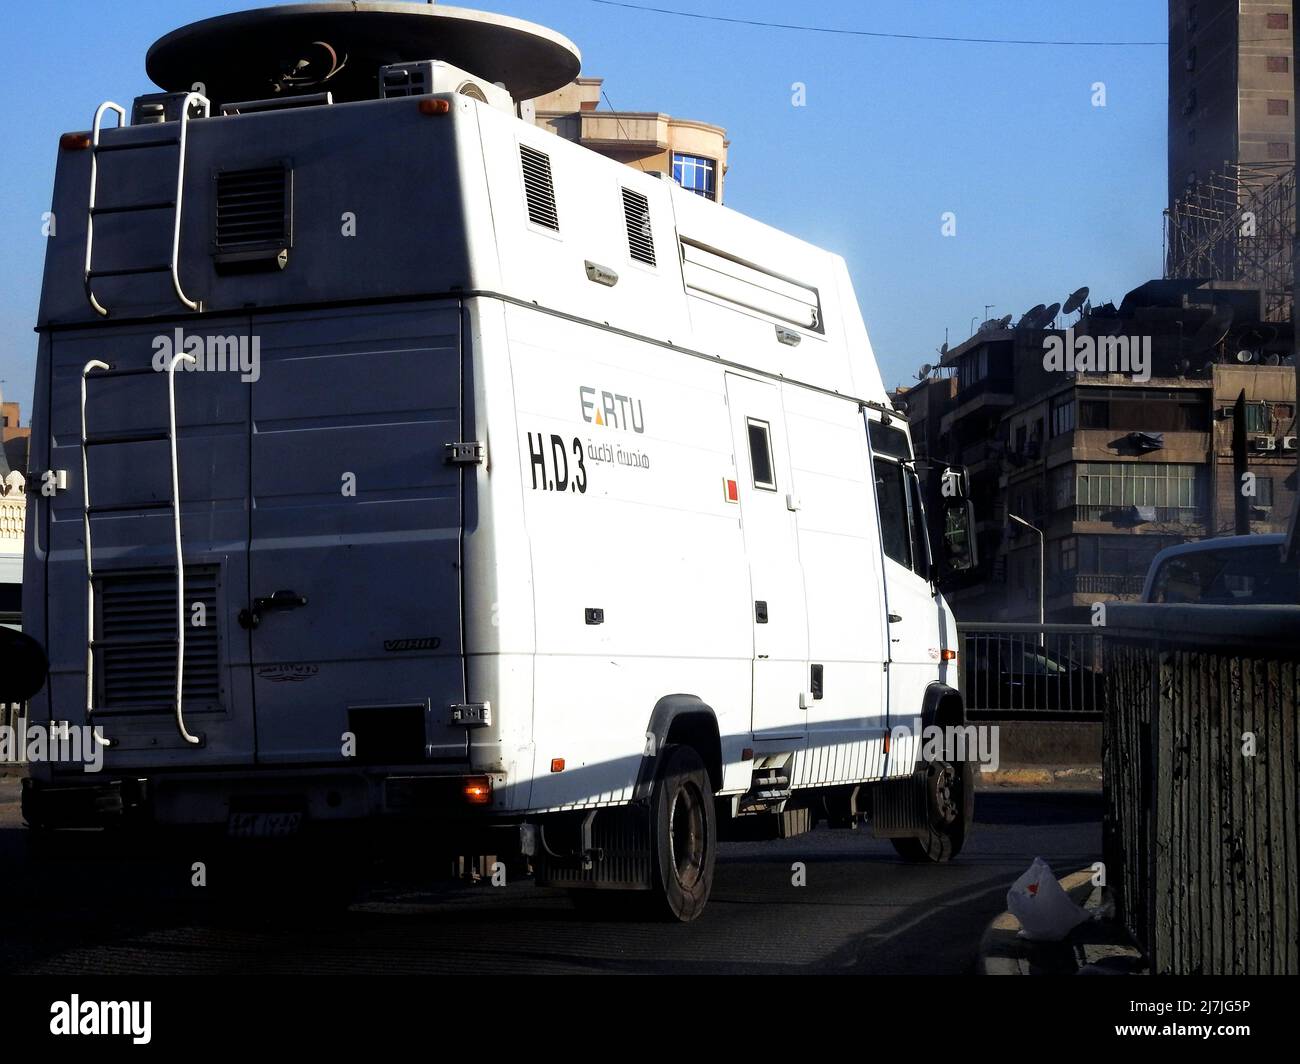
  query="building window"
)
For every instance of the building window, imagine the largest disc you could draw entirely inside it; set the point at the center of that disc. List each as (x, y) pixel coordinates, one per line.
(1279, 107)
(696, 173)
(760, 455)
(1060, 483)
(1067, 554)
(972, 368)
(1263, 492)
(1279, 64)
(1279, 20)
(1278, 149)
(1257, 417)
(1062, 415)
(1101, 486)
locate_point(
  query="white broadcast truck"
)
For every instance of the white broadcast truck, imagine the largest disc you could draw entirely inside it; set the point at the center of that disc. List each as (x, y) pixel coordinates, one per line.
(396, 459)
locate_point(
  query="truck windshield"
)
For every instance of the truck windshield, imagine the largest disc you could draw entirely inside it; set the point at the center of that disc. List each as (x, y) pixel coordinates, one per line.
(1239, 575)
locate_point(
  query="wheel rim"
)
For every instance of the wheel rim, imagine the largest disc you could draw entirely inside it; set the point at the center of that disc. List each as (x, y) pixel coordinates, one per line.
(945, 788)
(686, 835)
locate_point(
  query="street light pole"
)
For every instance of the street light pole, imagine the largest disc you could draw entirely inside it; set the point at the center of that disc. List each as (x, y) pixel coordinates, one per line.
(1042, 571)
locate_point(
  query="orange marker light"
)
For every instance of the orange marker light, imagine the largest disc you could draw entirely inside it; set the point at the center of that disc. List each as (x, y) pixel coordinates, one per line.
(435, 107)
(948, 655)
(477, 790)
(74, 141)
(557, 764)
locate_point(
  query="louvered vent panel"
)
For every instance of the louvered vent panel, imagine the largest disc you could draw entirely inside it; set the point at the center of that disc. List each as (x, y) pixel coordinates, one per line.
(640, 238)
(406, 80)
(538, 187)
(252, 208)
(136, 622)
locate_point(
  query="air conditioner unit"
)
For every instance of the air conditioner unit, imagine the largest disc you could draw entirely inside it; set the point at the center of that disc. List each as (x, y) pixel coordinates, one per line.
(1263, 443)
(1288, 443)
(433, 75)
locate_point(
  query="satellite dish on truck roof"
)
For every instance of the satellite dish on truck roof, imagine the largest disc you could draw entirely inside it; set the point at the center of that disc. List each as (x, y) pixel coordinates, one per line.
(339, 48)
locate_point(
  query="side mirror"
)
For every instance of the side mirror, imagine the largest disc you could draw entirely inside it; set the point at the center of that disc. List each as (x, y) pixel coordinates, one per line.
(957, 545)
(23, 666)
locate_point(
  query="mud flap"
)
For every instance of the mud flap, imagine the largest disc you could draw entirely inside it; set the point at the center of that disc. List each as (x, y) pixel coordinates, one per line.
(899, 807)
(606, 848)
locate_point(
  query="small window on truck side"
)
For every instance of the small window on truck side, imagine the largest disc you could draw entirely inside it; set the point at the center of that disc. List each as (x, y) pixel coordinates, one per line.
(891, 495)
(760, 454)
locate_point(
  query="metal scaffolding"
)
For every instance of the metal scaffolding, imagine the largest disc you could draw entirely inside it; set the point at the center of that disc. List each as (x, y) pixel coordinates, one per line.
(1239, 225)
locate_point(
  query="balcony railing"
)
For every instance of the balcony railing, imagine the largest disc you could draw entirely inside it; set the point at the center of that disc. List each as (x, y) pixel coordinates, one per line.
(1094, 584)
(1124, 515)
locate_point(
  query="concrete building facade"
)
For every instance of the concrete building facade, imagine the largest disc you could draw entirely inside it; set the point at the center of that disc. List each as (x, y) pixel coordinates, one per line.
(1231, 90)
(1111, 466)
(690, 152)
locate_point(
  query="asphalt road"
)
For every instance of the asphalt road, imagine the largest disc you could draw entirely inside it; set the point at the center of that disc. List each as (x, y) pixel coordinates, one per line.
(861, 910)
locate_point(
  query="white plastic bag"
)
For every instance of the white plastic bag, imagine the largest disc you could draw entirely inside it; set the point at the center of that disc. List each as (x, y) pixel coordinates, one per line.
(1045, 911)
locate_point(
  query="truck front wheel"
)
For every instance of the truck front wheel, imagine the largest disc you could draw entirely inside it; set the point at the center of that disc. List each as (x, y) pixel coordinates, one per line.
(684, 834)
(950, 803)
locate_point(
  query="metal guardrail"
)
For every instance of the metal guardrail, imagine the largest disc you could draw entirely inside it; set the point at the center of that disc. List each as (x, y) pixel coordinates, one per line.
(1031, 671)
(1201, 753)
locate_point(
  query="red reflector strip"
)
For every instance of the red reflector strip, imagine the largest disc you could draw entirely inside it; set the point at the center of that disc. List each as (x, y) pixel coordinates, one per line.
(557, 764)
(730, 492)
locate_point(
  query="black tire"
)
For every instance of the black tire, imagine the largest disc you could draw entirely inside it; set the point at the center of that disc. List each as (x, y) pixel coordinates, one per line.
(683, 835)
(950, 799)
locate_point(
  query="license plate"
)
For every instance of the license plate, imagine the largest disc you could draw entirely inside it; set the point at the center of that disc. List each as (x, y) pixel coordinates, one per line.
(263, 825)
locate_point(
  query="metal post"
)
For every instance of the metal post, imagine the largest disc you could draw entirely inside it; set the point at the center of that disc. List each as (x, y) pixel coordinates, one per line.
(1042, 568)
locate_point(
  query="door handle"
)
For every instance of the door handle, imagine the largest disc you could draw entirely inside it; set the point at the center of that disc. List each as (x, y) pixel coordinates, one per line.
(278, 600)
(894, 618)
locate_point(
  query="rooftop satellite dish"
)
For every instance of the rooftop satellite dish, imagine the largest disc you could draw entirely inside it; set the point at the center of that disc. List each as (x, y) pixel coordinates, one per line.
(1029, 319)
(1244, 356)
(1049, 315)
(306, 48)
(1272, 358)
(1213, 330)
(1075, 300)
(944, 349)
(925, 370)
(1003, 321)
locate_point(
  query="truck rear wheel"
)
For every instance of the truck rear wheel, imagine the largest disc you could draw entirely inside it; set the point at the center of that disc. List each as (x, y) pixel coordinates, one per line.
(684, 834)
(950, 802)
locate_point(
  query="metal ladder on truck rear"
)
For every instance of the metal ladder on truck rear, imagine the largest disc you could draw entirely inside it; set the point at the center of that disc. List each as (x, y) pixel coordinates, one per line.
(94, 645)
(200, 105)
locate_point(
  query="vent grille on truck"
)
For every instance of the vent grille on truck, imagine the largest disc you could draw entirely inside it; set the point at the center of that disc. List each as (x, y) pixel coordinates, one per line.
(538, 187)
(136, 628)
(640, 238)
(252, 209)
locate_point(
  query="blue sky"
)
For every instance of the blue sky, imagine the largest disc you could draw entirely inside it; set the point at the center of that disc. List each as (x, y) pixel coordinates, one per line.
(1049, 191)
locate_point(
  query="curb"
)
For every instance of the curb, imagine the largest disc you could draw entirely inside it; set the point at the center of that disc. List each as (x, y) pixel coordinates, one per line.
(1043, 776)
(1004, 952)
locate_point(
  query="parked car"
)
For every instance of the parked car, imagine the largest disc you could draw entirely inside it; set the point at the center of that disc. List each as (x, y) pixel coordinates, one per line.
(1225, 571)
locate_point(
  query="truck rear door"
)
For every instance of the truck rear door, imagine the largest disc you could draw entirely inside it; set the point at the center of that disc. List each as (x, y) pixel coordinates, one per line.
(355, 575)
